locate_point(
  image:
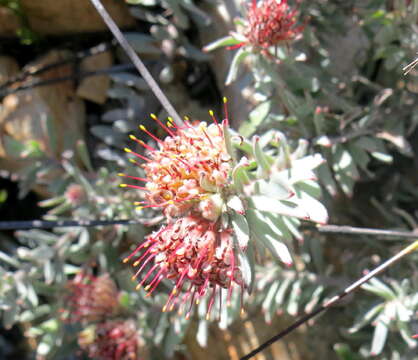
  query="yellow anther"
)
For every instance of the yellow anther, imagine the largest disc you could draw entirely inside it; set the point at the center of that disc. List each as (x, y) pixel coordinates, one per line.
(132, 137)
(142, 127)
(169, 124)
(170, 119)
(225, 100)
(211, 112)
(146, 288)
(139, 208)
(174, 292)
(164, 308)
(170, 202)
(133, 161)
(127, 150)
(207, 317)
(153, 116)
(186, 118)
(138, 287)
(123, 185)
(125, 260)
(138, 203)
(136, 263)
(197, 301)
(121, 174)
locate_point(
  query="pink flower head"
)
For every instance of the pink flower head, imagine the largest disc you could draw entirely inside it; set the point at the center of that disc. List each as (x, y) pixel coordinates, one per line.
(111, 340)
(187, 167)
(75, 194)
(196, 254)
(270, 23)
(91, 298)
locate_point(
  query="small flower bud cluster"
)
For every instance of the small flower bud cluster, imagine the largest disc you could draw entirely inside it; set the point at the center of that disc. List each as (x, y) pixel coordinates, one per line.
(91, 298)
(111, 340)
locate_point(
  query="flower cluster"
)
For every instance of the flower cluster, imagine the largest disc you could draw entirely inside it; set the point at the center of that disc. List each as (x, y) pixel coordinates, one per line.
(189, 166)
(205, 194)
(271, 23)
(91, 298)
(193, 250)
(111, 340)
(188, 177)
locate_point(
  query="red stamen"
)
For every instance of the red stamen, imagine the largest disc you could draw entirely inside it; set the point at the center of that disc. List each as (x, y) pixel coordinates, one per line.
(143, 128)
(231, 285)
(144, 244)
(142, 143)
(133, 186)
(147, 275)
(133, 177)
(162, 125)
(129, 151)
(211, 301)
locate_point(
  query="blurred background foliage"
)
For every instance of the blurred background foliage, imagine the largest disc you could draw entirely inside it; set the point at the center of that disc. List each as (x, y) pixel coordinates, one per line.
(64, 126)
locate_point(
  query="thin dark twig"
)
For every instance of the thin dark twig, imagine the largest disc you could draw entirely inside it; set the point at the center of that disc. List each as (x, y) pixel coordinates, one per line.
(365, 231)
(137, 61)
(409, 249)
(75, 76)
(103, 47)
(42, 224)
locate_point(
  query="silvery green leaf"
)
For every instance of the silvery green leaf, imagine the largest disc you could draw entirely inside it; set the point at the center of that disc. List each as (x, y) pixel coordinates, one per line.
(202, 333)
(366, 317)
(271, 293)
(316, 211)
(143, 44)
(403, 313)
(255, 118)
(301, 150)
(236, 204)
(264, 203)
(264, 161)
(326, 179)
(116, 114)
(10, 316)
(310, 187)
(359, 155)
(247, 267)
(292, 307)
(278, 225)
(31, 315)
(377, 287)
(276, 248)
(120, 92)
(241, 229)
(382, 156)
(239, 57)
(379, 338)
(276, 188)
(404, 330)
(191, 52)
(281, 292)
(240, 175)
(225, 41)
(263, 223)
(344, 163)
(109, 135)
(315, 297)
(345, 181)
(131, 80)
(9, 260)
(84, 155)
